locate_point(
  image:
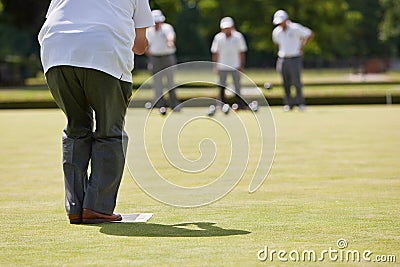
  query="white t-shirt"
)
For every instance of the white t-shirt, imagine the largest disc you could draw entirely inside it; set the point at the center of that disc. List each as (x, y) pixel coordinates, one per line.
(158, 40)
(289, 41)
(228, 49)
(97, 34)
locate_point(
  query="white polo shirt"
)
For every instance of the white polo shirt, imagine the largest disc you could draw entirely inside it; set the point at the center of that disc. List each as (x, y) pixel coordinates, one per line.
(93, 34)
(289, 41)
(228, 49)
(158, 40)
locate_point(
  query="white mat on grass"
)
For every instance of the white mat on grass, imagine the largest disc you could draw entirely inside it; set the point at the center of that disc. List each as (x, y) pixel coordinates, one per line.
(136, 217)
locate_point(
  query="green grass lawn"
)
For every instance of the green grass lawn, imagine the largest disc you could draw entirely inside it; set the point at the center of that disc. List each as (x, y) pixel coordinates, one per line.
(318, 83)
(359, 90)
(335, 175)
(260, 75)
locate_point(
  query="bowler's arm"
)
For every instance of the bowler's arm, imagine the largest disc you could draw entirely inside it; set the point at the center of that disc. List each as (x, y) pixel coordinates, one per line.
(242, 61)
(141, 43)
(215, 57)
(171, 40)
(306, 41)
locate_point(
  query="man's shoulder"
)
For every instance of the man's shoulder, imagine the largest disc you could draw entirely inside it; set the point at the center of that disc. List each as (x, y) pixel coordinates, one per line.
(219, 36)
(295, 25)
(300, 29)
(167, 26)
(277, 29)
(150, 30)
(237, 34)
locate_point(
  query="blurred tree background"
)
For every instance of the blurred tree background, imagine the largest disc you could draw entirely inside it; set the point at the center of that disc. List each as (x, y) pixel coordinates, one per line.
(346, 31)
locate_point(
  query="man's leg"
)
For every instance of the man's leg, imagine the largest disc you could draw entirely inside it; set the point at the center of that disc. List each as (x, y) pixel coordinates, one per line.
(109, 98)
(222, 85)
(296, 67)
(158, 86)
(287, 82)
(169, 73)
(236, 81)
(77, 136)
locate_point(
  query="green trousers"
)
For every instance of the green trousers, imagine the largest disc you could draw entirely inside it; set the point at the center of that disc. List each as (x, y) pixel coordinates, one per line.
(87, 96)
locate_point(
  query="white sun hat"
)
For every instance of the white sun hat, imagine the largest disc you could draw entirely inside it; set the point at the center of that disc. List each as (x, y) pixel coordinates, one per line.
(226, 22)
(280, 16)
(158, 16)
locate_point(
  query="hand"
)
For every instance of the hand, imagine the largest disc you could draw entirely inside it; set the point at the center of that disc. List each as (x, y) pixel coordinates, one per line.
(215, 70)
(171, 44)
(301, 50)
(141, 43)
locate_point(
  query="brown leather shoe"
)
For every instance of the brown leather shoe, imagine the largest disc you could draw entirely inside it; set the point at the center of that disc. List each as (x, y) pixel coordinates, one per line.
(94, 217)
(75, 218)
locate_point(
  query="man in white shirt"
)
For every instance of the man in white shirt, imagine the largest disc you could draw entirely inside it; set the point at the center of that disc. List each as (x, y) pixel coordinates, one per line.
(291, 38)
(229, 51)
(87, 52)
(162, 58)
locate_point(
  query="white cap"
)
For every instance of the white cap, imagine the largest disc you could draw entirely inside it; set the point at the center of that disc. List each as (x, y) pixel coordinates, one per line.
(226, 22)
(280, 16)
(158, 16)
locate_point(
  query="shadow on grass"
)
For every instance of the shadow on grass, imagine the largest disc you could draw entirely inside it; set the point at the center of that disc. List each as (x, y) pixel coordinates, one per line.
(202, 229)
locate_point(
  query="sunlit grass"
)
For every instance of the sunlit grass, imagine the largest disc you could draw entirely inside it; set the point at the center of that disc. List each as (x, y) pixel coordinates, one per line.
(318, 83)
(335, 175)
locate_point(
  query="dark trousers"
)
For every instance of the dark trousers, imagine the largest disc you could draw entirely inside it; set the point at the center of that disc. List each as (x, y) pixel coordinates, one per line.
(223, 74)
(80, 93)
(162, 67)
(290, 69)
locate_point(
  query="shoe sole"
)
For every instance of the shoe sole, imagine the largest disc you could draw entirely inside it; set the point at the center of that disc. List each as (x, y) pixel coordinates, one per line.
(97, 221)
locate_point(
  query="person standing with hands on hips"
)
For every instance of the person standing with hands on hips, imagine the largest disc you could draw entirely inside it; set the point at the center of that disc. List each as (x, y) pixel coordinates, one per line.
(290, 38)
(87, 53)
(229, 51)
(162, 58)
